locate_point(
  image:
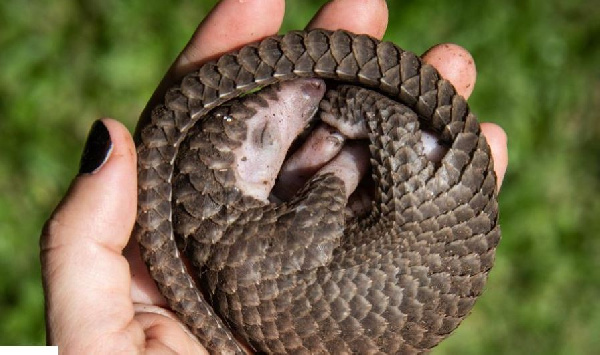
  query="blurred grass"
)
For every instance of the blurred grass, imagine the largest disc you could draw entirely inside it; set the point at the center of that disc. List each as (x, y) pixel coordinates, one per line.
(65, 63)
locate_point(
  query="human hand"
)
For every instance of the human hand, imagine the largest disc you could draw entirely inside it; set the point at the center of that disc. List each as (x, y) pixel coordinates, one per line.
(99, 297)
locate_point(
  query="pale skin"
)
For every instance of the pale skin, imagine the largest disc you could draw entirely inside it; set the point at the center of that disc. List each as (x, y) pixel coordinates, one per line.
(99, 297)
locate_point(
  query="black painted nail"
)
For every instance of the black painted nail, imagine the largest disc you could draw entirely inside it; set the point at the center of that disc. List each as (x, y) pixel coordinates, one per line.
(98, 147)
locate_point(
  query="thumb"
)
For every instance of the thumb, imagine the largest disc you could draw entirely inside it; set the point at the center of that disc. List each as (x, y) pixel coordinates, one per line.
(86, 279)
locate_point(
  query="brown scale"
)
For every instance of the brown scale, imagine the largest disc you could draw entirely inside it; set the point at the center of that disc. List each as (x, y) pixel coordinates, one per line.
(297, 277)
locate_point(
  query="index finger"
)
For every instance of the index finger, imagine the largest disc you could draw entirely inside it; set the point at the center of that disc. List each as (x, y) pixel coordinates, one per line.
(229, 25)
(358, 16)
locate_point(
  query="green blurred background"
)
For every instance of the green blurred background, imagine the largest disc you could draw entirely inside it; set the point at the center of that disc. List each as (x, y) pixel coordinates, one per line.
(65, 63)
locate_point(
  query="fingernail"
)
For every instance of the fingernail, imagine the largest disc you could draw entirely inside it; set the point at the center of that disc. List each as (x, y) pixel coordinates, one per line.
(335, 137)
(98, 147)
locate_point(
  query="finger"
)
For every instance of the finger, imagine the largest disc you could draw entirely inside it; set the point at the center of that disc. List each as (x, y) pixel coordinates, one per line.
(165, 333)
(143, 287)
(358, 16)
(224, 29)
(497, 140)
(455, 64)
(82, 241)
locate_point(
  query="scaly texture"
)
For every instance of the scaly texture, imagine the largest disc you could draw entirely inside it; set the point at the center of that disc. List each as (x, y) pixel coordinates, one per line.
(298, 277)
